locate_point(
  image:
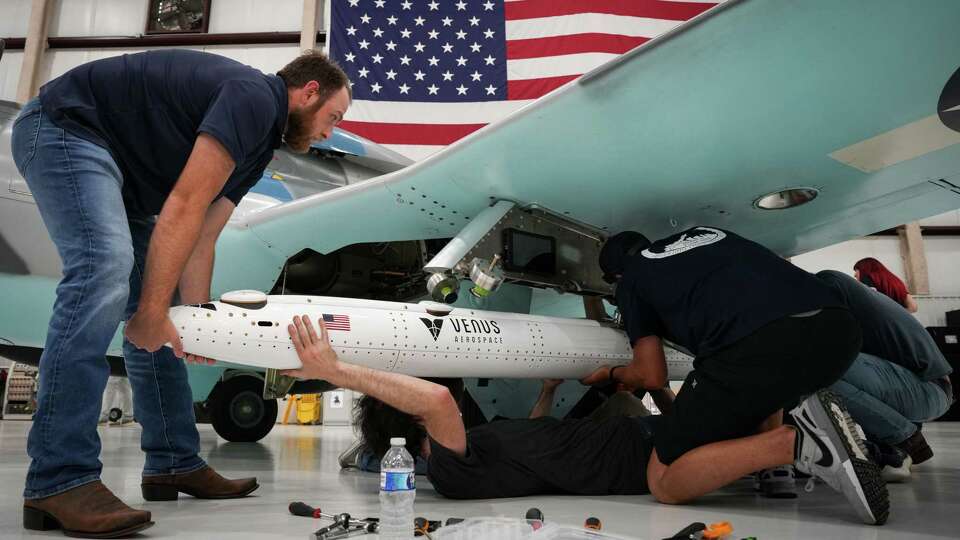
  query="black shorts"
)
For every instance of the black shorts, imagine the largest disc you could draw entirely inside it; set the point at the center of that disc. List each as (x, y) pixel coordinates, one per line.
(731, 392)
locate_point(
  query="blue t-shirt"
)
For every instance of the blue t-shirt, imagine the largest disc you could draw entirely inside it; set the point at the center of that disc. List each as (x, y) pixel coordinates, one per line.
(889, 331)
(706, 288)
(148, 108)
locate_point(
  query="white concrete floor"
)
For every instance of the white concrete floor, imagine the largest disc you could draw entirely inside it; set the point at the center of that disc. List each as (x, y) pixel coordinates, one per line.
(299, 463)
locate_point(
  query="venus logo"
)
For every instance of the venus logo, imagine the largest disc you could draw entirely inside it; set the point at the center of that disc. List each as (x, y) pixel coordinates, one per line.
(434, 326)
(949, 105)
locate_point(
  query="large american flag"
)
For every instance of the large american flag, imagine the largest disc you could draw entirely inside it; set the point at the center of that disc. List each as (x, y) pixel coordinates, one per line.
(428, 72)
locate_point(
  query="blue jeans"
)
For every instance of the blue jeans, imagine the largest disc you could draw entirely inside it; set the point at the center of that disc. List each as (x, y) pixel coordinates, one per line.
(77, 187)
(886, 398)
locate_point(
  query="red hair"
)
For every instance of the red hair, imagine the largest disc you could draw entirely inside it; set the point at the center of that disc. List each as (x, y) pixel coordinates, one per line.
(875, 274)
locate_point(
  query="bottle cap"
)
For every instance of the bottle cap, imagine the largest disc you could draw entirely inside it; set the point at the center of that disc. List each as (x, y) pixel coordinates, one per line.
(398, 441)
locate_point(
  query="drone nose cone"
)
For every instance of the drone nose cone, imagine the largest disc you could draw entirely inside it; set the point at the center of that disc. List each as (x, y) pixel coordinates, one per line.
(185, 319)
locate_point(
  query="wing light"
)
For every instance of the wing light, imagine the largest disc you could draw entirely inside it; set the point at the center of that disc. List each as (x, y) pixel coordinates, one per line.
(788, 198)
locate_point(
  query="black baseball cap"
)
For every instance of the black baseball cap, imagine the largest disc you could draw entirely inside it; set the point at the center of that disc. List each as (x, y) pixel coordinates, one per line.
(618, 249)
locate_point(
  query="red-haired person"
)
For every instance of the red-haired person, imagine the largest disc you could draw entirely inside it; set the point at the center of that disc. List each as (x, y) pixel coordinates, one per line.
(873, 273)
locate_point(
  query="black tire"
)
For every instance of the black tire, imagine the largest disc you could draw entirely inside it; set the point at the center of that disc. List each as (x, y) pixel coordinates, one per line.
(238, 411)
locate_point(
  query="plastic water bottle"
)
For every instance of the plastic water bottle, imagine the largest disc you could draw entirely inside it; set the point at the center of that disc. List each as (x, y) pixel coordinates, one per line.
(398, 489)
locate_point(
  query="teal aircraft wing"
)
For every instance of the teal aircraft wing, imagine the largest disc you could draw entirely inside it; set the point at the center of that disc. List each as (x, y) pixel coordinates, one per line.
(852, 100)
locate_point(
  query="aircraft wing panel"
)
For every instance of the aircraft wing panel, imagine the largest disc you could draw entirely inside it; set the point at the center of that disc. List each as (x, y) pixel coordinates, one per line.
(691, 128)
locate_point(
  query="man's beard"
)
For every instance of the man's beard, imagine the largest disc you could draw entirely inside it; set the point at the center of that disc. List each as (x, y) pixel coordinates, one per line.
(297, 132)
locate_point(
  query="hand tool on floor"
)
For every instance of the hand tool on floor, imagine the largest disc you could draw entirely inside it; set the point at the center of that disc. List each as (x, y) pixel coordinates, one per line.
(343, 529)
(716, 531)
(305, 510)
(423, 526)
(690, 532)
(343, 524)
(698, 531)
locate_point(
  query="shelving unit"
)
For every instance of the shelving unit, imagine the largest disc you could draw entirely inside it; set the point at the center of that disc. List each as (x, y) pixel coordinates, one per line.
(20, 393)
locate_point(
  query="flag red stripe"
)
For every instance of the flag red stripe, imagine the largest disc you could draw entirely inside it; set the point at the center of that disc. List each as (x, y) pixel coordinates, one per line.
(534, 88)
(571, 44)
(427, 134)
(653, 9)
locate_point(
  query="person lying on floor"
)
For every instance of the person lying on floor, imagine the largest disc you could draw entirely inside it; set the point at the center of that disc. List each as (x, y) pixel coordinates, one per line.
(514, 458)
(372, 418)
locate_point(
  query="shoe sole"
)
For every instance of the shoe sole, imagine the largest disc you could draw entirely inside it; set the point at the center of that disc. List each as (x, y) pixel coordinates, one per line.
(778, 494)
(868, 494)
(155, 493)
(35, 519)
(129, 531)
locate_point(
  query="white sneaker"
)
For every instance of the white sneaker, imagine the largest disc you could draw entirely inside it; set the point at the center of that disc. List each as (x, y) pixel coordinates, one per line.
(897, 474)
(777, 482)
(829, 447)
(894, 463)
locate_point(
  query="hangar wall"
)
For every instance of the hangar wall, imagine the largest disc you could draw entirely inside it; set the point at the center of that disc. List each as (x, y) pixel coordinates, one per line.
(112, 18)
(943, 259)
(13, 23)
(943, 264)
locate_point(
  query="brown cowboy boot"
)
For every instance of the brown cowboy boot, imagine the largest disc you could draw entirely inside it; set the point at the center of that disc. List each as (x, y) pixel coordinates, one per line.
(87, 511)
(204, 483)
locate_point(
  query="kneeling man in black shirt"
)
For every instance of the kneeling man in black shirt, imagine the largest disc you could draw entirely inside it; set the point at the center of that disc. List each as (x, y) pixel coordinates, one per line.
(513, 458)
(765, 335)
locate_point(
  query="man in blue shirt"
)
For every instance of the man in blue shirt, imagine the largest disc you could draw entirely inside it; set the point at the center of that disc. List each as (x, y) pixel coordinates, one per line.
(765, 334)
(136, 163)
(900, 376)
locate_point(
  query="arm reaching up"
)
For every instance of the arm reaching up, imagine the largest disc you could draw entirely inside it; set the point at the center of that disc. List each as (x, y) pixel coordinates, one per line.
(430, 402)
(544, 403)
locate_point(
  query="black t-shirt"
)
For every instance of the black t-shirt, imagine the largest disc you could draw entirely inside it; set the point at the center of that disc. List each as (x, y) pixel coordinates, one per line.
(515, 458)
(707, 288)
(148, 108)
(889, 330)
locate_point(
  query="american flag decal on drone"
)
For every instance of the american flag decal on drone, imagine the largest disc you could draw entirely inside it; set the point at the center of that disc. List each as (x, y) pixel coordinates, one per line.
(336, 322)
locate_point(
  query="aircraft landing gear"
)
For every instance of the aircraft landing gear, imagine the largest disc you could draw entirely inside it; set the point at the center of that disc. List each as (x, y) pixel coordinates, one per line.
(238, 411)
